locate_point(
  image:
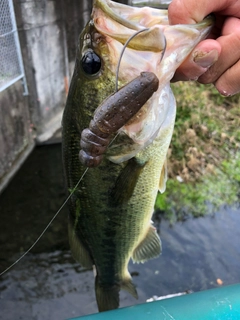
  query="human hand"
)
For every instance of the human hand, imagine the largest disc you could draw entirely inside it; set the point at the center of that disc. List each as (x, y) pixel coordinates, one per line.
(217, 59)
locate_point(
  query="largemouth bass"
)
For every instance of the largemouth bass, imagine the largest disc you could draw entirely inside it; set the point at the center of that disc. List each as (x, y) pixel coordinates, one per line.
(111, 210)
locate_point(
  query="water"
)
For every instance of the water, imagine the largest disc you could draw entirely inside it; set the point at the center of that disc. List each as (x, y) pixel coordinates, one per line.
(49, 284)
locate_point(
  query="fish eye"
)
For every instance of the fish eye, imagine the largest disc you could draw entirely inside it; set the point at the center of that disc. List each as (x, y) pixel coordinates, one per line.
(91, 63)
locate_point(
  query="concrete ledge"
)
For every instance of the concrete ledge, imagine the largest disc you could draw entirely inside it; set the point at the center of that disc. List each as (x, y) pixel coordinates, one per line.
(52, 131)
(15, 166)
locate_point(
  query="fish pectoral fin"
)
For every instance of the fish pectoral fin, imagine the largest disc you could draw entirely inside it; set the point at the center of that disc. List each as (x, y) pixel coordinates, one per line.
(126, 181)
(107, 296)
(78, 250)
(128, 285)
(163, 178)
(150, 247)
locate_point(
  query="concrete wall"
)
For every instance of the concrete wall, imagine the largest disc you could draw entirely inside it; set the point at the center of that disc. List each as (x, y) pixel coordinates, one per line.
(46, 43)
(16, 139)
(48, 32)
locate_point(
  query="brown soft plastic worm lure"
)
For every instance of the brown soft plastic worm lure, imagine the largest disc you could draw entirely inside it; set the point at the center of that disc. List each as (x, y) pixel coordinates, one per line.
(113, 114)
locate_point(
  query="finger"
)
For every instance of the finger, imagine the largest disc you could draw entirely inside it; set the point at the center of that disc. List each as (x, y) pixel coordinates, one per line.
(185, 11)
(230, 54)
(228, 84)
(197, 63)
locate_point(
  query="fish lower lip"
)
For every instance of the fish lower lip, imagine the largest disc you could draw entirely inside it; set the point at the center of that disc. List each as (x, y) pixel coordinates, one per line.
(105, 6)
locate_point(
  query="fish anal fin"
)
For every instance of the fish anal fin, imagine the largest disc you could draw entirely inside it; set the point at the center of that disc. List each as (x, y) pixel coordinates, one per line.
(78, 250)
(107, 296)
(163, 178)
(150, 247)
(128, 286)
(126, 181)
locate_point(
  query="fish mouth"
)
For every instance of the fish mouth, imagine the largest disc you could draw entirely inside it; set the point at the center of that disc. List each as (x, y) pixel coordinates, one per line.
(117, 23)
(121, 21)
(108, 8)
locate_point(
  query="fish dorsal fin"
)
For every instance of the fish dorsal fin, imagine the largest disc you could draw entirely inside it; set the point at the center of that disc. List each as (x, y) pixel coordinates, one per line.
(79, 252)
(163, 178)
(150, 247)
(126, 181)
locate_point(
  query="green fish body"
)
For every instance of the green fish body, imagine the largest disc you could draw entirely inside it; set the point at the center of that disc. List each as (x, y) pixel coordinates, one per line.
(111, 209)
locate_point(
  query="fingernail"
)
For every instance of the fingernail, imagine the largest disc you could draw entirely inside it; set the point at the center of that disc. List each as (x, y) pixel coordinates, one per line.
(224, 92)
(205, 59)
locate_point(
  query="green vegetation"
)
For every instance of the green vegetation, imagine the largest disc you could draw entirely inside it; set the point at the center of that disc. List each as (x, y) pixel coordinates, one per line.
(204, 156)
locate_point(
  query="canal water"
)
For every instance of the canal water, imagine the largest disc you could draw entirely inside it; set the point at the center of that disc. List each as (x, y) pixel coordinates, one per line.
(198, 254)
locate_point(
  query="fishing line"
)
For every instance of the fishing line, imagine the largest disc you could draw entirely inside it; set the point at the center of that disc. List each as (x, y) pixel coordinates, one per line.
(53, 218)
(122, 52)
(125, 46)
(111, 142)
(120, 59)
(50, 222)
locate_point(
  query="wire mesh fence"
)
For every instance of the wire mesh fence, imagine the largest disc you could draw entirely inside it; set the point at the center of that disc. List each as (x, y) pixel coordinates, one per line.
(11, 64)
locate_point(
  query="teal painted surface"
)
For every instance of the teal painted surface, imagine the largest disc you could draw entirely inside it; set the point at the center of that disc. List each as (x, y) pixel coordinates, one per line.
(215, 304)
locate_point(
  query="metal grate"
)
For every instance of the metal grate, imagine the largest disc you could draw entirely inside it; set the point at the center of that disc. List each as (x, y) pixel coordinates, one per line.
(11, 64)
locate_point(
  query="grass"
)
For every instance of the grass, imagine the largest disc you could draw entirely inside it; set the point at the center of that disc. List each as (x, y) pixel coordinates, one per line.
(204, 156)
